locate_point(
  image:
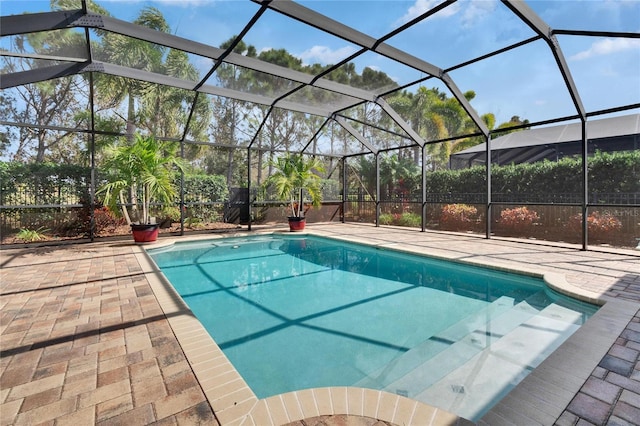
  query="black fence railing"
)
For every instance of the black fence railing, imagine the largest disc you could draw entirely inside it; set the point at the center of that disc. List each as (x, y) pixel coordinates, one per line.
(611, 224)
(556, 214)
(619, 198)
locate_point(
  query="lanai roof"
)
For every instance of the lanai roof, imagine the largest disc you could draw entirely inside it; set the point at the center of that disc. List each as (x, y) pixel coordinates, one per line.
(408, 44)
(571, 132)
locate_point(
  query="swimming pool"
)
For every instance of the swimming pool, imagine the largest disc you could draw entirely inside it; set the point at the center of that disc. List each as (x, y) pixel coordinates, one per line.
(295, 312)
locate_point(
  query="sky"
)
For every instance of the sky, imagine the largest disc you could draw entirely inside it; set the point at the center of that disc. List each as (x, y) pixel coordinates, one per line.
(525, 82)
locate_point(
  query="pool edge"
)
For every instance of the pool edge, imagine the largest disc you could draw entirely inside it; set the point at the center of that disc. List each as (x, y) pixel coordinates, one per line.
(544, 394)
(553, 280)
(234, 403)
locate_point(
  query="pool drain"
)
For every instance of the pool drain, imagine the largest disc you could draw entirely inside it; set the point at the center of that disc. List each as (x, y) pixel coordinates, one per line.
(457, 388)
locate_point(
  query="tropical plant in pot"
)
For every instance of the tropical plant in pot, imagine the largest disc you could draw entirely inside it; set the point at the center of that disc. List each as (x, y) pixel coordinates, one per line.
(140, 172)
(292, 175)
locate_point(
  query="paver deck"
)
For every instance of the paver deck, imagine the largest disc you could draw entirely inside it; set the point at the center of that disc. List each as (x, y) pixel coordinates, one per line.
(89, 337)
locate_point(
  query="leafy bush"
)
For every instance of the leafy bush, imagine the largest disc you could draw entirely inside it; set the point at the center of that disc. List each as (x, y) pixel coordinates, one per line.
(31, 235)
(543, 181)
(171, 213)
(410, 219)
(614, 172)
(201, 188)
(386, 219)
(194, 223)
(458, 217)
(600, 226)
(518, 219)
(43, 183)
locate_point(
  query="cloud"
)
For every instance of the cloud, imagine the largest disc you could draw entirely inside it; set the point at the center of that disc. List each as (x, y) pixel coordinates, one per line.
(422, 6)
(478, 11)
(324, 55)
(471, 13)
(183, 3)
(607, 47)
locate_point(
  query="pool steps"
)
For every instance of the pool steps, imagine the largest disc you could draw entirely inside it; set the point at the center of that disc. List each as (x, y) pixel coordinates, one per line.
(527, 345)
(464, 367)
(413, 358)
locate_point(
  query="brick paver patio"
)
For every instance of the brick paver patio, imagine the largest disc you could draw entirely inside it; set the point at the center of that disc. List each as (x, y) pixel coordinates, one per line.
(84, 340)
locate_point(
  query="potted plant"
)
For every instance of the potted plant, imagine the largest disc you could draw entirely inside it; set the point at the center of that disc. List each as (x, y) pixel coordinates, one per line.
(293, 174)
(140, 173)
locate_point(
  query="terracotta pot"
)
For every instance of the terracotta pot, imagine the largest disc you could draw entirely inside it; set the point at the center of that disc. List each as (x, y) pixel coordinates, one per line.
(296, 223)
(144, 233)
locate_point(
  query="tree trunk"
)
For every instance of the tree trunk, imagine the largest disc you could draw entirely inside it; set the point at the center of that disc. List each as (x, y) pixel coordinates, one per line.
(300, 212)
(229, 168)
(123, 206)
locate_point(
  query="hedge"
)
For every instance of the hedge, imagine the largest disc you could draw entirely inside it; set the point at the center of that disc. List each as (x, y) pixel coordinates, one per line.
(43, 183)
(609, 173)
(59, 184)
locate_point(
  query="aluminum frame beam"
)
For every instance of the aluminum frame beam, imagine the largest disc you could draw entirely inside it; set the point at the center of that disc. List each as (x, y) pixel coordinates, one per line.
(537, 24)
(120, 71)
(349, 128)
(68, 19)
(326, 24)
(42, 74)
(448, 81)
(373, 126)
(66, 70)
(17, 24)
(43, 57)
(36, 22)
(317, 20)
(400, 122)
(315, 135)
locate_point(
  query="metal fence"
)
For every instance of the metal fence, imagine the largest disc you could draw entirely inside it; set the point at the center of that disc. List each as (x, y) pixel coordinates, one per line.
(608, 224)
(70, 217)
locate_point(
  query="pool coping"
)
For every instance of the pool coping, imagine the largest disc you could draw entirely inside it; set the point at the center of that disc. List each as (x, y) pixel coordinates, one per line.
(540, 397)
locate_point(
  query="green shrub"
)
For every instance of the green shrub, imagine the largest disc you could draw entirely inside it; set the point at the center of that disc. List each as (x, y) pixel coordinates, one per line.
(43, 183)
(386, 219)
(410, 219)
(616, 172)
(458, 217)
(31, 235)
(200, 188)
(194, 223)
(171, 213)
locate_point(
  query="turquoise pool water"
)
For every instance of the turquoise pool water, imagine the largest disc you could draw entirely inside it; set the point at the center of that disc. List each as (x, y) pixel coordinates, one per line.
(295, 312)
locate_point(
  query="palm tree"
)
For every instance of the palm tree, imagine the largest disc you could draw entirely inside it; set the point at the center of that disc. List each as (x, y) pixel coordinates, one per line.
(292, 175)
(133, 53)
(146, 165)
(399, 175)
(162, 109)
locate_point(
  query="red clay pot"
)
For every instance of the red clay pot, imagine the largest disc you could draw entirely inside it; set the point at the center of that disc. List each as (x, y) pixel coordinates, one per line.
(145, 233)
(296, 223)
